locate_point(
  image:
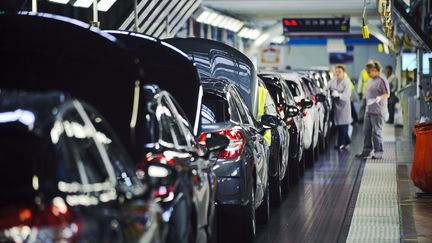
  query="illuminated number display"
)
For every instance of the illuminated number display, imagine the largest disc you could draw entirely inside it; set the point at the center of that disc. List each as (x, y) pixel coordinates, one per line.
(315, 25)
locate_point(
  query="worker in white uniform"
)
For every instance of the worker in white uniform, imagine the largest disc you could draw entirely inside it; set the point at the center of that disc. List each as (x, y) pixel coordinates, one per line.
(341, 92)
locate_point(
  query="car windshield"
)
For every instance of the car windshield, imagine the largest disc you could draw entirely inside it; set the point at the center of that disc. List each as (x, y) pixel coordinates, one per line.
(214, 109)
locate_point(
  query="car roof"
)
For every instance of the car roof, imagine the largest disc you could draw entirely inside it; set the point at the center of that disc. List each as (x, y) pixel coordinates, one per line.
(220, 61)
(70, 56)
(168, 67)
(219, 87)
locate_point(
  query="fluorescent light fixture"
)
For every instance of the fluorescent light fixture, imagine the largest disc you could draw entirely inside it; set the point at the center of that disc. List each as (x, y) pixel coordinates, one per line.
(216, 22)
(261, 39)
(237, 26)
(250, 33)
(83, 3)
(203, 16)
(225, 22)
(105, 5)
(255, 34)
(60, 1)
(219, 20)
(278, 39)
(210, 18)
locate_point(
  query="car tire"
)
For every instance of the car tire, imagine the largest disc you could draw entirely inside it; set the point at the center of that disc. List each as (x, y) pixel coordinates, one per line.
(293, 171)
(213, 229)
(310, 156)
(276, 185)
(302, 164)
(248, 220)
(263, 211)
(322, 144)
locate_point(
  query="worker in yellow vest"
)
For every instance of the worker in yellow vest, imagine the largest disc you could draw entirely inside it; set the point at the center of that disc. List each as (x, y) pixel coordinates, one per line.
(266, 106)
(363, 78)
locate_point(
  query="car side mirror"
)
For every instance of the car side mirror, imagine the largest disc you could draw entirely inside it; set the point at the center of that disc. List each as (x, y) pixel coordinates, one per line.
(215, 142)
(292, 111)
(320, 97)
(268, 121)
(306, 103)
(158, 174)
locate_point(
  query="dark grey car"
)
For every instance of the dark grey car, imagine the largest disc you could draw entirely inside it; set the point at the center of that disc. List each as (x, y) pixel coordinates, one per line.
(242, 168)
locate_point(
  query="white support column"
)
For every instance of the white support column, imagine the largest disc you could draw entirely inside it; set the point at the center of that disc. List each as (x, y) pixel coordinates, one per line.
(34, 6)
(95, 21)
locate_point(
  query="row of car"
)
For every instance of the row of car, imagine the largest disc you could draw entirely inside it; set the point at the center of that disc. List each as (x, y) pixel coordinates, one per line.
(114, 136)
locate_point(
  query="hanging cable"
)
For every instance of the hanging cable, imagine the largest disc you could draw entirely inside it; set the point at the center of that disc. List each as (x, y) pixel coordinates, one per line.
(365, 29)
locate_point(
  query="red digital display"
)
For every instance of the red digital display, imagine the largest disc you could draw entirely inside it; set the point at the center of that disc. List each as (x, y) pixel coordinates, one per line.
(315, 25)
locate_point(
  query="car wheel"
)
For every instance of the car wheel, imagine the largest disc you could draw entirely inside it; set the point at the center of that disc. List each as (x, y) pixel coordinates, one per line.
(263, 212)
(294, 171)
(302, 164)
(213, 229)
(322, 144)
(310, 156)
(248, 221)
(275, 184)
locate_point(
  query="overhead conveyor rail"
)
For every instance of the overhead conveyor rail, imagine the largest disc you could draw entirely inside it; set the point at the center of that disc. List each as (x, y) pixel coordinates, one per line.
(160, 18)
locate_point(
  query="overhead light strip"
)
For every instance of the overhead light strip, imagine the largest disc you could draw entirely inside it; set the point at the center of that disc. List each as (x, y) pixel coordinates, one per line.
(60, 1)
(219, 20)
(105, 5)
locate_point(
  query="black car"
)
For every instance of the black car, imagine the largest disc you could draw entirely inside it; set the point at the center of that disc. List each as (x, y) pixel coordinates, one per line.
(66, 178)
(242, 168)
(98, 68)
(287, 108)
(162, 134)
(279, 151)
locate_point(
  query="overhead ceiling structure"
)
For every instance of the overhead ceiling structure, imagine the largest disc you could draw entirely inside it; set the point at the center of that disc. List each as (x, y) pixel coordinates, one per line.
(160, 18)
(278, 9)
(267, 15)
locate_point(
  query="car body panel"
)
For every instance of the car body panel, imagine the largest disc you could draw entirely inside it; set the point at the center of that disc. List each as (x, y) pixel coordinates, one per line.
(163, 129)
(236, 175)
(295, 124)
(83, 171)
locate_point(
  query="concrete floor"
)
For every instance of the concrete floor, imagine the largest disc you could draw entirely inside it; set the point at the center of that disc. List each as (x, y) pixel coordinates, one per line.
(320, 207)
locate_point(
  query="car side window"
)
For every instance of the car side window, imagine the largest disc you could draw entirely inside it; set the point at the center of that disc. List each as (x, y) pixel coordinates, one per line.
(236, 99)
(120, 160)
(233, 108)
(289, 97)
(183, 123)
(80, 149)
(249, 118)
(171, 133)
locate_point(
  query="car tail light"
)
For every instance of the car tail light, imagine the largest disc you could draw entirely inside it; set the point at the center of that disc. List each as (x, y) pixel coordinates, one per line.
(153, 158)
(281, 111)
(313, 98)
(54, 223)
(202, 139)
(299, 105)
(289, 121)
(235, 146)
(160, 191)
(163, 191)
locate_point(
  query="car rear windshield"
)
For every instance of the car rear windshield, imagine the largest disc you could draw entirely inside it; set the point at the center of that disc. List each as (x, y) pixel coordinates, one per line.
(277, 94)
(21, 157)
(293, 88)
(214, 109)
